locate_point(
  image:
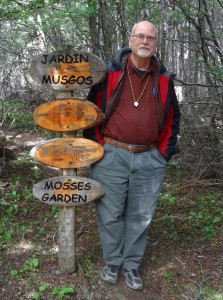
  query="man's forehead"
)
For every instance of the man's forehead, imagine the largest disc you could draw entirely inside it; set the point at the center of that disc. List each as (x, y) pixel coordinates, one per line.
(144, 26)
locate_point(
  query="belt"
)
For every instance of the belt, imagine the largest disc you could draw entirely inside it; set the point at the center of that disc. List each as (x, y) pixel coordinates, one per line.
(129, 147)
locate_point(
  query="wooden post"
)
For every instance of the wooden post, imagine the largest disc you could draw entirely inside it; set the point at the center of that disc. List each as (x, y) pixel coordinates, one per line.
(67, 218)
(67, 240)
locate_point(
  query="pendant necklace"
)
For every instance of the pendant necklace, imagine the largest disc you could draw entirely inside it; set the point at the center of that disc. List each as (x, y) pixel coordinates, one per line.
(136, 102)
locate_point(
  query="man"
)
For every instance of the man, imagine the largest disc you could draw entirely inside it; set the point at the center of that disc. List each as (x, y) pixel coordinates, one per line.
(139, 135)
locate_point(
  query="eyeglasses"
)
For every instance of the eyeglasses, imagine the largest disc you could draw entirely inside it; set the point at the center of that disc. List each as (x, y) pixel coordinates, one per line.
(141, 37)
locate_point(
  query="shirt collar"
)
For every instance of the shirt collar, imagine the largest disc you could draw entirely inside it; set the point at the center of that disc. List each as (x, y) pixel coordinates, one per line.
(133, 69)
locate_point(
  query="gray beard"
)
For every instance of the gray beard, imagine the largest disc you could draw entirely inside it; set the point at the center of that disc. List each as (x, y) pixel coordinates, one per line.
(141, 53)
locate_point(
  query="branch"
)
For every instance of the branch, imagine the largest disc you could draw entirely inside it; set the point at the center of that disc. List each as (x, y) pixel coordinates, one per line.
(219, 2)
(197, 84)
(195, 103)
(200, 284)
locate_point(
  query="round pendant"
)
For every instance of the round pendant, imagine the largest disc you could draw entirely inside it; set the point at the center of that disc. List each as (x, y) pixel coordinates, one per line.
(136, 103)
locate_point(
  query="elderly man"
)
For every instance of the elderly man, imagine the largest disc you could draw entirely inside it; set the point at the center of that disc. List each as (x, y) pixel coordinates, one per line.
(139, 136)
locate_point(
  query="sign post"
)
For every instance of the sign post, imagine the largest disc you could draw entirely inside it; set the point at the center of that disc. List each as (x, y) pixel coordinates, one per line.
(65, 71)
(67, 221)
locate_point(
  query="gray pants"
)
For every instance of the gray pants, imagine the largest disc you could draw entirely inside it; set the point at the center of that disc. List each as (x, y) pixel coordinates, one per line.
(132, 183)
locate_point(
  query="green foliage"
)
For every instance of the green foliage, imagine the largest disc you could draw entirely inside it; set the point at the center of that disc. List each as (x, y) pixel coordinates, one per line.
(207, 218)
(216, 72)
(18, 10)
(139, 9)
(6, 236)
(17, 203)
(169, 276)
(84, 263)
(204, 220)
(30, 267)
(212, 294)
(177, 17)
(18, 116)
(55, 20)
(23, 160)
(61, 292)
(38, 295)
(13, 207)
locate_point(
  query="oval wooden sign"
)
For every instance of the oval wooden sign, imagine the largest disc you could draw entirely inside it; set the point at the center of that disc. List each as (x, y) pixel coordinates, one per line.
(68, 190)
(67, 152)
(67, 115)
(68, 70)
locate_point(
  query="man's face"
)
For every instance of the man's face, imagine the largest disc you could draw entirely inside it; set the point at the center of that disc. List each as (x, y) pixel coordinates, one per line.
(143, 40)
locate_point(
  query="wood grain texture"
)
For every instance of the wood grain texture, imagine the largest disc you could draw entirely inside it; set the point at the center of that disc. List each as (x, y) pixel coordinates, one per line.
(67, 152)
(68, 70)
(67, 190)
(67, 115)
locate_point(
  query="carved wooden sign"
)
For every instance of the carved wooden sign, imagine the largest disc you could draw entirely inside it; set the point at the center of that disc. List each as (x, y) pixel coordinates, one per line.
(68, 70)
(67, 190)
(67, 115)
(67, 152)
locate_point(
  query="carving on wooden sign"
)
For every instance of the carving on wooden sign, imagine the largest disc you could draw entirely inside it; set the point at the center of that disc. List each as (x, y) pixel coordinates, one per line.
(68, 70)
(67, 190)
(67, 152)
(67, 115)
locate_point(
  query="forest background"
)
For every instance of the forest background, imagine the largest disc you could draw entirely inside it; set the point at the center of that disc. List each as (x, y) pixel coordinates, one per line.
(190, 45)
